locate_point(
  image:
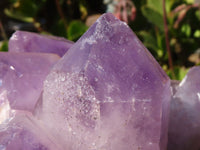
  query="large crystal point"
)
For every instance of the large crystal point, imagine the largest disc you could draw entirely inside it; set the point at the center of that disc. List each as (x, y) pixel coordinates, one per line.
(22, 76)
(184, 126)
(108, 92)
(22, 41)
(23, 132)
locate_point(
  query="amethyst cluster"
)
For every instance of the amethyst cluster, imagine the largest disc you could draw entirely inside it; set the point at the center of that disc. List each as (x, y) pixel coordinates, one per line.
(104, 92)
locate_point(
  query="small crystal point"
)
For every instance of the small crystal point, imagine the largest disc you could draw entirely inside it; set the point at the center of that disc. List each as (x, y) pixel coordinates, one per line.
(108, 92)
(184, 125)
(22, 41)
(22, 76)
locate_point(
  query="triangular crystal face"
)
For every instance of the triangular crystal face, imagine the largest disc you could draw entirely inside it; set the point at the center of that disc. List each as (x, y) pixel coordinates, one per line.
(184, 125)
(22, 76)
(108, 92)
(22, 41)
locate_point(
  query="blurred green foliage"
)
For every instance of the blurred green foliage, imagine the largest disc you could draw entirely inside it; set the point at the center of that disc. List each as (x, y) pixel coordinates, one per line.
(4, 46)
(179, 73)
(183, 26)
(67, 18)
(75, 30)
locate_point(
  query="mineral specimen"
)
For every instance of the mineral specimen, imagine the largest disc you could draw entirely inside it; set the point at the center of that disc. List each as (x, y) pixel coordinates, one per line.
(22, 41)
(184, 126)
(22, 76)
(108, 93)
(23, 132)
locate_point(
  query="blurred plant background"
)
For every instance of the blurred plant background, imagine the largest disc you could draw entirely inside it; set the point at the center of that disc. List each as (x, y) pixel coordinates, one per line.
(171, 32)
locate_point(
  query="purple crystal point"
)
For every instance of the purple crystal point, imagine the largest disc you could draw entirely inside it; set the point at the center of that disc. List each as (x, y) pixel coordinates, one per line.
(22, 76)
(23, 132)
(22, 41)
(184, 126)
(108, 92)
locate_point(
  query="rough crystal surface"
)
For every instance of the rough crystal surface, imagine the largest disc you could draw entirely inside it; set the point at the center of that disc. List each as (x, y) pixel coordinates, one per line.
(22, 41)
(108, 92)
(23, 132)
(22, 76)
(184, 126)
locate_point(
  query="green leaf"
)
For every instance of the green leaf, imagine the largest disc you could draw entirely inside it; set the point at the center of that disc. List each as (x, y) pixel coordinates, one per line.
(29, 8)
(18, 16)
(160, 53)
(153, 16)
(24, 10)
(4, 46)
(186, 29)
(148, 40)
(59, 29)
(190, 1)
(197, 13)
(156, 5)
(197, 34)
(76, 29)
(13, 1)
(179, 73)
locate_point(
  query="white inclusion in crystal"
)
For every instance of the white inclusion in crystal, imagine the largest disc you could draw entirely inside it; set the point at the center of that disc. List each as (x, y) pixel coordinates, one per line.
(110, 88)
(70, 129)
(4, 107)
(20, 75)
(150, 143)
(133, 104)
(133, 100)
(100, 68)
(144, 100)
(198, 94)
(121, 41)
(12, 68)
(79, 91)
(96, 79)
(108, 100)
(62, 78)
(89, 41)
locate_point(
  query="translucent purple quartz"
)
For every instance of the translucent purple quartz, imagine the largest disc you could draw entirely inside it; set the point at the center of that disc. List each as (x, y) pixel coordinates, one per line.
(108, 93)
(22, 41)
(184, 126)
(23, 132)
(22, 76)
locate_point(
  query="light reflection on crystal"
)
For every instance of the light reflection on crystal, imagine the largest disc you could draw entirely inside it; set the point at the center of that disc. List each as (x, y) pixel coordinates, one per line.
(4, 107)
(12, 68)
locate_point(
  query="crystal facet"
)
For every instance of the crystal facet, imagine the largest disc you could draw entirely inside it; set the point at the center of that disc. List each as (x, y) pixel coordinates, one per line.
(22, 76)
(184, 126)
(108, 92)
(23, 132)
(22, 41)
